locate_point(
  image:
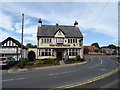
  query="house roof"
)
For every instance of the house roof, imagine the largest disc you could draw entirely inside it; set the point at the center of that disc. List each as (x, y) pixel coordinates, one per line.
(50, 30)
(12, 39)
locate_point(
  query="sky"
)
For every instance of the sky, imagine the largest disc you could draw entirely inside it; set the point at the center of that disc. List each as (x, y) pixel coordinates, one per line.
(98, 21)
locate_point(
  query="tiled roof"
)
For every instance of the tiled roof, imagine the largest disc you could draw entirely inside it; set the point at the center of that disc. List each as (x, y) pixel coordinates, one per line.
(50, 30)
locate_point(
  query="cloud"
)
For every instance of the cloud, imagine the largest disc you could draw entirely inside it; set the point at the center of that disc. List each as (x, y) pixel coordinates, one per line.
(4, 35)
(97, 17)
(6, 22)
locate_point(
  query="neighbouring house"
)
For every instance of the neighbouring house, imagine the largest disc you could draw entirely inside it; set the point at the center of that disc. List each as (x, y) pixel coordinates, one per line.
(108, 50)
(57, 41)
(12, 48)
(91, 48)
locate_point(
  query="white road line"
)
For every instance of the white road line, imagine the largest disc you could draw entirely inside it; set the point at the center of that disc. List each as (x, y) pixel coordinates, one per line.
(11, 79)
(19, 78)
(93, 66)
(7, 80)
(101, 61)
(64, 72)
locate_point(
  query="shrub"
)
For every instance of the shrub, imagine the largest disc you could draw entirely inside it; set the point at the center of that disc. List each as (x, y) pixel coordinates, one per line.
(38, 63)
(114, 53)
(24, 61)
(71, 60)
(108, 54)
(30, 63)
(49, 61)
(96, 50)
(77, 57)
(86, 50)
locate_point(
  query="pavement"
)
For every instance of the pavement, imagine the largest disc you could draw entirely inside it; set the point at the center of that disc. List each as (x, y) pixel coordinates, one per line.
(15, 69)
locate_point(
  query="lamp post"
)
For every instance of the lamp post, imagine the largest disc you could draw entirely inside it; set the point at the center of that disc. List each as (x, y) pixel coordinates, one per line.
(22, 41)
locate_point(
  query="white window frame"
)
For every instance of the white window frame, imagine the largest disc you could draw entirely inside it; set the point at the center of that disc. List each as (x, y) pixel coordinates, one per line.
(73, 40)
(73, 52)
(59, 40)
(46, 40)
(46, 52)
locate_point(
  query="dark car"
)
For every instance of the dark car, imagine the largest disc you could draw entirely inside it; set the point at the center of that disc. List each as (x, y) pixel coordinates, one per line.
(6, 62)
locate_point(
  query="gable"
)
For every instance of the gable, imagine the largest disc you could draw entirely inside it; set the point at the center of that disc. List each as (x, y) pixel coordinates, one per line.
(10, 42)
(59, 33)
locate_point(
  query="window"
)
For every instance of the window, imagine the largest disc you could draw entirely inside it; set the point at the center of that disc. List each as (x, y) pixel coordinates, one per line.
(73, 52)
(45, 52)
(60, 40)
(46, 40)
(72, 40)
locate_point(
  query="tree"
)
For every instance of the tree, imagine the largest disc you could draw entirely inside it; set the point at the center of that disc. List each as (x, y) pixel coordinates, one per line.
(111, 46)
(86, 50)
(96, 50)
(29, 45)
(96, 45)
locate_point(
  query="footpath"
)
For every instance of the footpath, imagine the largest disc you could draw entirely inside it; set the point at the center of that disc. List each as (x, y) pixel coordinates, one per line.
(14, 69)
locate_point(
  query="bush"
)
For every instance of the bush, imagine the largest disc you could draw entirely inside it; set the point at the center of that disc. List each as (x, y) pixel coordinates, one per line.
(71, 60)
(114, 53)
(24, 61)
(30, 63)
(38, 63)
(86, 50)
(108, 54)
(49, 61)
(97, 50)
(77, 57)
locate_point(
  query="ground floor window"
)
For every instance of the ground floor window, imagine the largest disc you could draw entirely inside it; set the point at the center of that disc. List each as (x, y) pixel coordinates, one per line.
(73, 52)
(45, 52)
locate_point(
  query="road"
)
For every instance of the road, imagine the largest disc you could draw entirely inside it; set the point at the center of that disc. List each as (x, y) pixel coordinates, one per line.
(52, 78)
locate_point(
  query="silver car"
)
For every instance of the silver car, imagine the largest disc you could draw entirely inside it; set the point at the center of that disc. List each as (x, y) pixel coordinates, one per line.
(6, 62)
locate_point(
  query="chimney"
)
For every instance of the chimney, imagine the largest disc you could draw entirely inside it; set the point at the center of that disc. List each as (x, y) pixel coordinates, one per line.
(76, 24)
(56, 24)
(40, 23)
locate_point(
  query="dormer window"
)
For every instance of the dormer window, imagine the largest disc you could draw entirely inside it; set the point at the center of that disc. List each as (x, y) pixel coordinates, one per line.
(59, 40)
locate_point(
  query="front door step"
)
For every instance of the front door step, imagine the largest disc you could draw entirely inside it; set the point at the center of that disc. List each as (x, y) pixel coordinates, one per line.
(61, 62)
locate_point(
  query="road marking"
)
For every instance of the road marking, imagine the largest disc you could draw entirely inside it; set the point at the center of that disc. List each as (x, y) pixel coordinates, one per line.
(93, 66)
(19, 78)
(7, 80)
(64, 72)
(101, 61)
(89, 80)
(11, 79)
(103, 69)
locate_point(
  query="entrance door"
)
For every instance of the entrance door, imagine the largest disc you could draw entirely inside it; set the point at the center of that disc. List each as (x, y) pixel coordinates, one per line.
(59, 55)
(31, 56)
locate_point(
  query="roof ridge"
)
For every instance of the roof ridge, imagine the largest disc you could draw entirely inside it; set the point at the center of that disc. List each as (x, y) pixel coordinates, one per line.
(60, 25)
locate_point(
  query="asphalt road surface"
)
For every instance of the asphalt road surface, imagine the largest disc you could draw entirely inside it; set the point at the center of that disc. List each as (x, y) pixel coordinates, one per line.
(52, 78)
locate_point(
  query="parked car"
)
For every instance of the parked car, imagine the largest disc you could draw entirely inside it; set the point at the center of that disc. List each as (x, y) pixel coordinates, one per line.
(6, 62)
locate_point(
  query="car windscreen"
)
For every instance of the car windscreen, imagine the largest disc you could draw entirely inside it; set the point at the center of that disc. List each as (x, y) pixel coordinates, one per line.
(2, 59)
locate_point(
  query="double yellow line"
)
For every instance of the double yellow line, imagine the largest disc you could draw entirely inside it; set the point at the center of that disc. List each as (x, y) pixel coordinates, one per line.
(87, 81)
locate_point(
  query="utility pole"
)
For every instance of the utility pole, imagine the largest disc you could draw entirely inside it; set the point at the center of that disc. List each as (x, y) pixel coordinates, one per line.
(22, 40)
